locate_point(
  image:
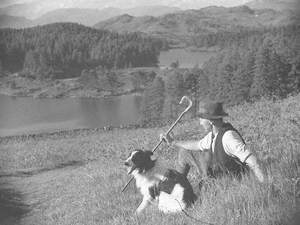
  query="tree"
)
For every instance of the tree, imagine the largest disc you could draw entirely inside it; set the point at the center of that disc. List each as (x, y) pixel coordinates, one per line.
(31, 62)
(223, 82)
(174, 92)
(262, 81)
(279, 70)
(112, 79)
(242, 79)
(1, 69)
(196, 86)
(89, 78)
(153, 101)
(141, 79)
(293, 79)
(174, 65)
(211, 71)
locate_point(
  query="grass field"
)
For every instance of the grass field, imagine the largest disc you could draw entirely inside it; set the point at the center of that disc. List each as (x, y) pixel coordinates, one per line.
(76, 178)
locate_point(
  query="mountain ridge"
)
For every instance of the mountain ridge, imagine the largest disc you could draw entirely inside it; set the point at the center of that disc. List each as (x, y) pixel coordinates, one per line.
(184, 25)
(14, 22)
(278, 5)
(85, 16)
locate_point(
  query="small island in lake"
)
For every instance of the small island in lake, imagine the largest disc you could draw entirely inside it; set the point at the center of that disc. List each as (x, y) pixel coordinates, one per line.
(91, 83)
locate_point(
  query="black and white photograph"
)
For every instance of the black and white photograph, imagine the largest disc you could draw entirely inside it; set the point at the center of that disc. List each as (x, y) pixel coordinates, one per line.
(139, 112)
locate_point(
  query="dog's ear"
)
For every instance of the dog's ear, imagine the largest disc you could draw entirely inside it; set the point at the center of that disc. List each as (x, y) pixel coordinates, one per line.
(150, 155)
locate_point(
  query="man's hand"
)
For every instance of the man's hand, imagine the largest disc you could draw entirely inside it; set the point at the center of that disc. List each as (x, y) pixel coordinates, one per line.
(167, 138)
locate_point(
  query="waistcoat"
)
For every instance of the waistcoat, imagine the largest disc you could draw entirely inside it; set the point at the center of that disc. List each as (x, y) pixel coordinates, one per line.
(221, 161)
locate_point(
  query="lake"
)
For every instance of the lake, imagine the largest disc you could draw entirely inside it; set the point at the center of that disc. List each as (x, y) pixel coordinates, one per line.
(25, 115)
(185, 57)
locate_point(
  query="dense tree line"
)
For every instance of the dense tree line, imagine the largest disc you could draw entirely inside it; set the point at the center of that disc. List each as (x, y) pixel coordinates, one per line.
(223, 38)
(262, 65)
(235, 36)
(153, 101)
(141, 79)
(161, 98)
(65, 49)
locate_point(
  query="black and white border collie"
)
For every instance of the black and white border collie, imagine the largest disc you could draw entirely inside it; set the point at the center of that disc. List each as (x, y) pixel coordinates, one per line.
(167, 188)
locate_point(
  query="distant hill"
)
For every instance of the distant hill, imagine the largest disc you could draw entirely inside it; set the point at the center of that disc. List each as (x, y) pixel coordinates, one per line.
(184, 25)
(278, 5)
(29, 10)
(90, 17)
(127, 22)
(4, 3)
(157, 10)
(14, 22)
(65, 49)
(87, 16)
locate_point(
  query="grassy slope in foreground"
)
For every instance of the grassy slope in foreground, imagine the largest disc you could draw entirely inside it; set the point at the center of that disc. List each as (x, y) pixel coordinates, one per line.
(90, 193)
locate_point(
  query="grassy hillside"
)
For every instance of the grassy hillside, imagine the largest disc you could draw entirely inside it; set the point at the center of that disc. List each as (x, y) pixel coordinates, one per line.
(76, 178)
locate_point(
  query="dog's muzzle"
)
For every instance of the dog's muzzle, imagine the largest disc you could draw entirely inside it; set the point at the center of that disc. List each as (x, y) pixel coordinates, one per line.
(131, 167)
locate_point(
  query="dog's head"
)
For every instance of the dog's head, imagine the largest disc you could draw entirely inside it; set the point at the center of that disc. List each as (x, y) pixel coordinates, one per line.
(140, 160)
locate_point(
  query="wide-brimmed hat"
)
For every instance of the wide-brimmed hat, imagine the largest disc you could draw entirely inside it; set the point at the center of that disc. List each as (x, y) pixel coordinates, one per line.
(211, 110)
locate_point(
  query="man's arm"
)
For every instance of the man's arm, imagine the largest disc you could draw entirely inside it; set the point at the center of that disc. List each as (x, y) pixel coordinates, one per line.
(253, 165)
(234, 146)
(194, 145)
(188, 145)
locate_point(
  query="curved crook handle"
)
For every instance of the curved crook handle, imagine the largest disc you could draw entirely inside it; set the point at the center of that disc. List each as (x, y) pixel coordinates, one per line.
(188, 100)
(183, 112)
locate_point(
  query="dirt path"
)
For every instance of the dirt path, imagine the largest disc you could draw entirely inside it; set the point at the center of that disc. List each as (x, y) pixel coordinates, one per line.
(21, 193)
(12, 208)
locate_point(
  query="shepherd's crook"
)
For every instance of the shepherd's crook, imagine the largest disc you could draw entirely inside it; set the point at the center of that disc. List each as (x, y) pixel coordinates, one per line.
(168, 131)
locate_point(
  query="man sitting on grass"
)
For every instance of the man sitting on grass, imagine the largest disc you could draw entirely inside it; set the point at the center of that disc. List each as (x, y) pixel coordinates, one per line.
(221, 151)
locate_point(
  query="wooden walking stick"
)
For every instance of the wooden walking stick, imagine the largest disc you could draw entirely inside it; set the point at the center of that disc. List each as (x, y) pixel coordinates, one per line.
(190, 103)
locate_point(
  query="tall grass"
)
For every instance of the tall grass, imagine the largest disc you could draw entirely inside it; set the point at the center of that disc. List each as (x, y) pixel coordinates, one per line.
(90, 193)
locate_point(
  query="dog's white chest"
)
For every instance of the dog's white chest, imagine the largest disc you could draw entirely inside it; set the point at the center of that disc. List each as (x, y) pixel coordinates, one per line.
(144, 183)
(167, 202)
(172, 203)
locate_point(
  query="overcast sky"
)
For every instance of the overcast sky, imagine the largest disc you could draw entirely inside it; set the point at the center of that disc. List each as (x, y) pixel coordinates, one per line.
(40, 7)
(126, 3)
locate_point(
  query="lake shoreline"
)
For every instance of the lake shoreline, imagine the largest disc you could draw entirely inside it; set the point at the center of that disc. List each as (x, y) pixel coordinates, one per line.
(68, 132)
(44, 92)
(73, 132)
(10, 93)
(87, 86)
